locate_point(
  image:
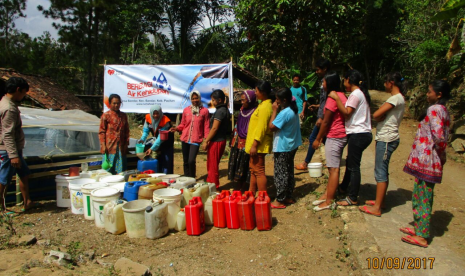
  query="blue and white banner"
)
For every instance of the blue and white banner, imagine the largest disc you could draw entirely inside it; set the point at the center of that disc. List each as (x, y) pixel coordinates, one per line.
(141, 86)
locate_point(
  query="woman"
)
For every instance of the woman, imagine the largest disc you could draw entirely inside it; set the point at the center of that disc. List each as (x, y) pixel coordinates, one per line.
(215, 142)
(114, 135)
(287, 139)
(259, 138)
(358, 129)
(154, 123)
(333, 128)
(238, 169)
(194, 127)
(426, 161)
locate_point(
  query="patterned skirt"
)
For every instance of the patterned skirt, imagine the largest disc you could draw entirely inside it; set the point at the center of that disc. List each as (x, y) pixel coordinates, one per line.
(238, 167)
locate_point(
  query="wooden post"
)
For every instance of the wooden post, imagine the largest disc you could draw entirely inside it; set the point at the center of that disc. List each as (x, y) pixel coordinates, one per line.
(18, 191)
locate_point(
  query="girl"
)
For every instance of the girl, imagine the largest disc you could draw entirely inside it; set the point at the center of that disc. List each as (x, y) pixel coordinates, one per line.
(238, 169)
(358, 129)
(114, 135)
(216, 139)
(389, 117)
(333, 128)
(286, 141)
(154, 123)
(194, 127)
(259, 138)
(426, 161)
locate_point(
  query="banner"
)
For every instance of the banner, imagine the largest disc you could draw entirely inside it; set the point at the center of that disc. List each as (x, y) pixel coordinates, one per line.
(142, 86)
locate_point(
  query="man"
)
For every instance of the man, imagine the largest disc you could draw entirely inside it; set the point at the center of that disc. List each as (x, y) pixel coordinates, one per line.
(12, 141)
(300, 94)
(322, 66)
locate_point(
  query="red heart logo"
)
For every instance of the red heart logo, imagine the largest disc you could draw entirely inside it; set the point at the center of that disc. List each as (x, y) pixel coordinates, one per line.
(111, 72)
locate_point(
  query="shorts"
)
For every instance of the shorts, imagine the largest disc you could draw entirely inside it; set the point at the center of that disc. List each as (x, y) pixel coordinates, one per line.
(384, 151)
(333, 149)
(7, 170)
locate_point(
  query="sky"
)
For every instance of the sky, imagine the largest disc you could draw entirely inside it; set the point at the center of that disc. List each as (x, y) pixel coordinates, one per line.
(35, 24)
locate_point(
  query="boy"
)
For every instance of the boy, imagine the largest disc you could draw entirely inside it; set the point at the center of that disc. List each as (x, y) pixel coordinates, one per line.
(300, 94)
(12, 141)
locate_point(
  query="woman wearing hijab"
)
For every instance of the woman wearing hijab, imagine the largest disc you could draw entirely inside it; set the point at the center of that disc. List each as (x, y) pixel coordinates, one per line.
(238, 169)
(154, 122)
(194, 127)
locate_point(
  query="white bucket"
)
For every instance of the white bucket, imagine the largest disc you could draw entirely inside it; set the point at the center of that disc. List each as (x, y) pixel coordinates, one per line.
(77, 206)
(134, 217)
(315, 169)
(62, 182)
(99, 198)
(112, 179)
(97, 174)
(87, 199)
(172, 197)
(117, 185)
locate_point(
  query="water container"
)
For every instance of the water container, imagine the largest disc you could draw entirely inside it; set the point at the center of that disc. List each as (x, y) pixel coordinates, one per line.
(77, 206)
(100, 197)
(263, 217)
(195, 217)
(219, 215)
(62, 183)
(200, 190)
(150, 164)
(172, 197)
(245, 208)
(156, 223)
(73, 171)
(164, 135)
(169, 178)
(114, 217)
(87, 199)
(183, 183)
(230, 208)
(97, 174)
(137, 177)
(134, 217)
(112, 179)
(127, 173)
(152, 180)
(146, 191)
(212, 188)
(180, 221)
(131, 190)
(208, 207)
(315, 169)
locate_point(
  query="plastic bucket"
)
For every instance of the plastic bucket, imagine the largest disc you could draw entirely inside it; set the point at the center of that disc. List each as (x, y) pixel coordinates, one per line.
(62, 183)
(112, 179)
(134, 217)
(315, 169)
(164, 135)
(74, 171)
(86, 189)
(140, 148)
(172, 197)
(99, 198)
(76, 194)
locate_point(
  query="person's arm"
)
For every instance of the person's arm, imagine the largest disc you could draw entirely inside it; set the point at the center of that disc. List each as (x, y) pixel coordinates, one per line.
(271, 126)
(102, 132)
(304, 107)
(345, 111)
(145, 131)
(156, 145)
(381, 113)
(212, 133)
(126, 132)
(183, 123)
(324, 128)
(9, 122)
(313, 107)
(206, 123)
(439, 127)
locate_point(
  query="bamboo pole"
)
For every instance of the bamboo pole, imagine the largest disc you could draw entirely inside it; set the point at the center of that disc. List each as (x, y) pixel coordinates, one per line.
(18, 191)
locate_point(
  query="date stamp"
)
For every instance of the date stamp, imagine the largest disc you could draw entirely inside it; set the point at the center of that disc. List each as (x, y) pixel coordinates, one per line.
(400, 263)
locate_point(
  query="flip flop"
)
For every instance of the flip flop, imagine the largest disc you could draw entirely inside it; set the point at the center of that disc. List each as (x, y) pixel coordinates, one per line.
(372, 203)
(12, 214)
(407, 230)
(364, 209)
(331, 206)
(278, 207)
(411, 240)
(318, 202)
(349, 202)
(33, 205)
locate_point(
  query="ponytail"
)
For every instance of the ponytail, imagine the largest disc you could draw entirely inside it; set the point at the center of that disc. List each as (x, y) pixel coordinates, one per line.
(398, 80)
(356, 78)
(286, 94)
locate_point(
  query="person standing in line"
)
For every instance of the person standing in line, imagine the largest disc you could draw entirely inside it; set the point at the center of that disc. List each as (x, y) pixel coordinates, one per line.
(389, 117)
(259, 138)
(300, 95)
(322, 66)
(426, 161)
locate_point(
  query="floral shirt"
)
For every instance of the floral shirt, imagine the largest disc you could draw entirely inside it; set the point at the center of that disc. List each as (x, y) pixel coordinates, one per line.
(114, 131)
(428, 154)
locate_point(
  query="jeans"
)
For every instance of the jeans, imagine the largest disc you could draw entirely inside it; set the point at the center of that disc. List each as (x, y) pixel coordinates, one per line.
(384, 151)
(189, 156)
(312, 139)
(357, 143)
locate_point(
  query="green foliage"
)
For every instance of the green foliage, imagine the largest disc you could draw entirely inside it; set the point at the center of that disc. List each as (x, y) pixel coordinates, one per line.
(7, 222)
(449, 10)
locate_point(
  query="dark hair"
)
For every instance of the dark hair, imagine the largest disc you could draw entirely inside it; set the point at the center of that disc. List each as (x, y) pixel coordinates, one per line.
(297, 75)
(218, 95)
(113, 96)
(323, 63)
(333, 82)
(13, 83)
(264, 87)
(443, 87)
(398, 80)
(286, 94)
(356, 78)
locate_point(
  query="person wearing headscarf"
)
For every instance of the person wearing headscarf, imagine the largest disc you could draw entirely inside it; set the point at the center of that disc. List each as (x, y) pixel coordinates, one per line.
(154, 123)
(194, 127)
(238, 169)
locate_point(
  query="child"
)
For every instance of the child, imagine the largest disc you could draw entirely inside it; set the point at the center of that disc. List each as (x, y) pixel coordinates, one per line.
(286, 141)
(426, 161)
(333, 128)
(389, 117)
(12, 142)
(216, 139)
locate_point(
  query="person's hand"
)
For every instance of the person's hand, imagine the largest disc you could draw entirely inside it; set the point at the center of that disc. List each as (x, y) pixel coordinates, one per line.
(15, 163)
(140, 141)
(253, 151)
(318, 122)
(173, 129)
(382, 118)
(302, 115)
(313, 107)
(275, 106)
(316, 144)
(205, 146)
(148, 152)
(333, 95)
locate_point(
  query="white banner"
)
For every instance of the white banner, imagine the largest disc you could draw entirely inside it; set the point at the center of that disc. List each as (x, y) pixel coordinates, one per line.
(141, 86)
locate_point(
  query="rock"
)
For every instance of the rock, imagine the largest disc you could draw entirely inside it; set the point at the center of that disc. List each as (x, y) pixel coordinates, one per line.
(103, 263)
(460, 130)
(459, 127)
(43, 242)
(89, 255)
(458, 145)
(27, 240)
(126, 267)
(58, 258)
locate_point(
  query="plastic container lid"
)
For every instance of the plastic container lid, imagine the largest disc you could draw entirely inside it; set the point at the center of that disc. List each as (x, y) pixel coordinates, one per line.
(314, 165)
(117, 185)
(112, 178)
(81, 181)
(75, 186)
(105, 192)
(89, 187)
(66, 176)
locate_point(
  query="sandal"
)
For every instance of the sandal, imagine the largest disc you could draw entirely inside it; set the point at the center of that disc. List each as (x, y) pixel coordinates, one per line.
(31, 206)
(372, 203)
(331, 206)
(408, 231)
(300, 167)
(346, 202)
(413, 241)
(278, 207)
(364, 209)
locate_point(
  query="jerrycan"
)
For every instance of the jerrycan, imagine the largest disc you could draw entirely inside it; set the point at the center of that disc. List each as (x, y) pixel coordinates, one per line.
(149, 164)
(114, 217)
(245, 208)
(156, 222)
(146, 191)
(263, 211)
(209, 210)
(131, 190)
(195, 217)
(137, 177)
(230, 208)
(219, 215)
(180, 221)
(199, 190)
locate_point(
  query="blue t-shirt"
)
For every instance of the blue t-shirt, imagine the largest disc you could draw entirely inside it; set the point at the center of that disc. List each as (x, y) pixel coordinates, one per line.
(299, 98)
(287, 138)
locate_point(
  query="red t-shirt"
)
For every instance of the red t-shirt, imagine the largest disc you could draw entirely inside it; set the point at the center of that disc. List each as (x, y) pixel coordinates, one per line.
(337, 128)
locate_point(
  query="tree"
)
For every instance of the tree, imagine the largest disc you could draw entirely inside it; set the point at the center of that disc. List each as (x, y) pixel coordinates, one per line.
(10, 10)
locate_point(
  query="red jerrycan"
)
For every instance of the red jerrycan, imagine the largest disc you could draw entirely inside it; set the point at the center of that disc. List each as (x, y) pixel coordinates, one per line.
(263, 211)
(245, 208)
(230, 207)
(219, 216)
(195, 218)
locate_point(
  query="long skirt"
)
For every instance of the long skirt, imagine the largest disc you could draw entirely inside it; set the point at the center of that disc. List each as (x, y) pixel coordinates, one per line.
(238, 167)
(117, 160)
